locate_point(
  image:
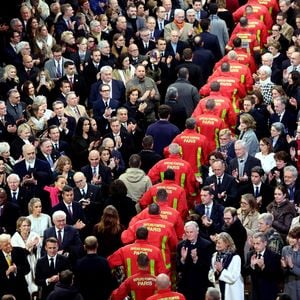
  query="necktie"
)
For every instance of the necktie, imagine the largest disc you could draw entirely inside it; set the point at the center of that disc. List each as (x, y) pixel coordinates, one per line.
(256, 192)
(14, 198)
(50, 161)
(291, 194)
(28, 72)
(160, 26)
(52, 264)
(59, 238)
(8, 259)
(207, 211)
(198, 15)
(71, 82)
(58, 70)
(146, 46)
(219, 181)
(70, 210)
(56, 146)
(94, 171)
(105, 104)
(167, 16)
(83, 193)
(258, 255)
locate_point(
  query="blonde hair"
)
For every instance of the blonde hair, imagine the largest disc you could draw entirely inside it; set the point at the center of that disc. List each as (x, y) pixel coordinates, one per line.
(227, 239)
(7, 69)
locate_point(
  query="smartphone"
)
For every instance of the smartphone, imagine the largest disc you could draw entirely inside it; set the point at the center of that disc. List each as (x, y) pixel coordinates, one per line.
(43, 80)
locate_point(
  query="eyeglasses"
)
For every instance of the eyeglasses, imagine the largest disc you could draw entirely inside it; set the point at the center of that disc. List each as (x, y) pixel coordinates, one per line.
(104, 91)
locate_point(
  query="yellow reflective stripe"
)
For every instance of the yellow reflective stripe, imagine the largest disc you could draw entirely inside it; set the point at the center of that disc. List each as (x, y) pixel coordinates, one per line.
(154, 199)
(152, 266)
(243, 79)
(217, 137)
(224, 113)
(163, 251)
(175, 203)
(182, 180)
(180, 151)
(236, 110)
(199, 152)
(128, 260)
(258, 35)
(162, 175)
(133, 296)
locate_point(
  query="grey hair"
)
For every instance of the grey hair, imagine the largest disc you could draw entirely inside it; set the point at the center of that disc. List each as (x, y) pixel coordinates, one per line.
(4, 147)
(105, 69)
(288, 169)
(177, 11)
(172, 92)
(278, 126)
(267, 218)
(21, 45)
(57, 214)
(213, 293)
(174, 148)
(266, 69)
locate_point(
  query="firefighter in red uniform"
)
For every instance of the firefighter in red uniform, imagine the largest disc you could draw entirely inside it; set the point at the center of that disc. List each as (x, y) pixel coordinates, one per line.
(163, 285)
(223, 108)
(229, 86)
(161, 234)
(261, 12)
(210, 125)
(126, 256)
(166, 212)
(176, 194)
(184, 175)
(139, 286)
(240, 71)
(248, 37)
(193, 146)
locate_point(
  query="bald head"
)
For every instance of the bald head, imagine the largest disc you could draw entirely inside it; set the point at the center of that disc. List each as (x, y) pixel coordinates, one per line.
(162, 281)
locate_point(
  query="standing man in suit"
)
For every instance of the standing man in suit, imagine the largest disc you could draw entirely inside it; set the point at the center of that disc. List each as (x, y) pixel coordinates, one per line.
(161, 21)
(57, 144)
(55, 65)
(223, 185)
(27, 71)
(240, 167)
(144, 43)
(193, 257)
(169, 11)
(48, 267)
(34, 173)
(66, 124)
(13, 268)
(263, 265)
(90, 198)
(117, 88)
(211, 213)
(104, 108)
(263, 192)
(14, 107)
(92, 269)
(69, 242)
(74, 212)
(47, 153)
(8, 128)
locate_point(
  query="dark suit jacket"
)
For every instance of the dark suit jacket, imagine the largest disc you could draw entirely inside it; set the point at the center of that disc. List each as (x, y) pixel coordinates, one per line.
(78, 213)
(216, 216)
(61, 26)
(15, 283)
(10, 214)
(195, 73)
(76, 58)
(43, 271)
(16, 113)
(249, 164)
(142, 49)
(288, 120)
(71, 125)
(266, 192)
(23, 76)
(24, 196)
(228, 185)
(148, 159)
(5, 136)
(205, 59)
(210, 41)
(90, 72)
(118, 92)
(90, 270)
(265, 282)
(104, 172)
(71, 242)
(41, 172)
(179, 49)
(54, 155)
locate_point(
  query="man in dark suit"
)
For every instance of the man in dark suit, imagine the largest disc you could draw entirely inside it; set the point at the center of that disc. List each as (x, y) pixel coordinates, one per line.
(18, 194)
(263, 192)
(14, 107)
(195, 71)
(66, 124)
(203, 57)
(144, 43)
(48, 267)
(104, 108)
(210, 212)
(134, 54)
(240, 167)
(286, 117)
(10, 55)
(47, 153)
(193, 258)
(117, 88)
(13, 268)
(69, 242)
(9, 213)
(90, 198)
(8, 128)
(123, 141)
(210, 41)
(223, 185)
(27, 71)
(263, 265)
(33, 172)
(58, 145)
(175, 47)
(74, 212)
(77, 82)
(96, 173)
(92, 269)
